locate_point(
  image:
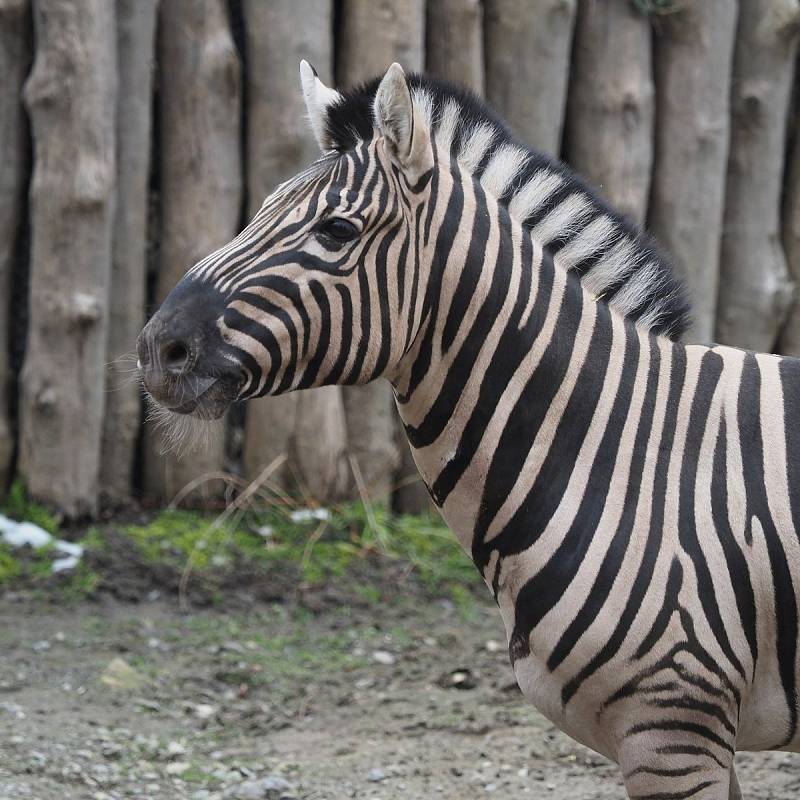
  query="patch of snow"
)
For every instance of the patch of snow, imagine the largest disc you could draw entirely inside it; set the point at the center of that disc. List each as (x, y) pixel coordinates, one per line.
(309, 514)
(20, 534)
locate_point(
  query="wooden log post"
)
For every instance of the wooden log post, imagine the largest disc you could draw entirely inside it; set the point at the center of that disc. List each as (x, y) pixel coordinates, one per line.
(611, 105)
(136, 22)
(693, 59)
(71, 97)
(454, 42)
(201, 184)
(309, 425)
(372, 36)
(754, 290)
(15, 57)
(528, 45)
(789, 343)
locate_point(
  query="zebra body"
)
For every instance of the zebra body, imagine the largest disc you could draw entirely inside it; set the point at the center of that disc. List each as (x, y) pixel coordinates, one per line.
(630, 501)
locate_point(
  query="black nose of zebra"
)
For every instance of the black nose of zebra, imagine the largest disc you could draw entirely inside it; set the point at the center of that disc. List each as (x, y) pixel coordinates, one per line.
(183, 360)
(175, 356)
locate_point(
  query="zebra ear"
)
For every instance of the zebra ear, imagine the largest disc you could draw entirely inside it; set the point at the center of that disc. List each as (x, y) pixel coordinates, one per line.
(318, 98)
(404, 130)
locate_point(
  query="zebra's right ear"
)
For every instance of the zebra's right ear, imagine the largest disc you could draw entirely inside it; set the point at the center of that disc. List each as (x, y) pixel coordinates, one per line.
(318, 98)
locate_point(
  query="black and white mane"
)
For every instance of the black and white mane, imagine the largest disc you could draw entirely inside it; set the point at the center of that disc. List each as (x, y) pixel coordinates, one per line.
(615, 259)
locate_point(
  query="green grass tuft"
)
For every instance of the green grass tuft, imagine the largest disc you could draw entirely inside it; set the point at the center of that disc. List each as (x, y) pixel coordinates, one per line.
(18, 506)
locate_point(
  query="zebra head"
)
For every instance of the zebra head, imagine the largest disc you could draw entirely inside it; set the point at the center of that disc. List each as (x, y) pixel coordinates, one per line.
(321, 287)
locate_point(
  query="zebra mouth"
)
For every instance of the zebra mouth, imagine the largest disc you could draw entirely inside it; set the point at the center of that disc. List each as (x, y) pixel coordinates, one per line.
(201, 397)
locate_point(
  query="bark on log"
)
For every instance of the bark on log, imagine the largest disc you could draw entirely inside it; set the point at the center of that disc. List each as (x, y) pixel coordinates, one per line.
(280, 144)
(374, 33)
(135, 56)
(15, 56)
(693, 58)
(755, 291)
(610, 110)
(528, 45)
(319, 445)
(454, 42)
(71, 100)
(790, 336)
(372, 36)
(201, 183)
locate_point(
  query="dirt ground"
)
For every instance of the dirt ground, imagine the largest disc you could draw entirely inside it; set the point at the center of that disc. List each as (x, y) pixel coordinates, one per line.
(403, 700)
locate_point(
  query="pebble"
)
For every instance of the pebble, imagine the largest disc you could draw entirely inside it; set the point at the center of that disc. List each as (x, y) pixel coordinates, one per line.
(205, 710)
(384, 657)
(376, 775)
(175, 749)
(272, 787)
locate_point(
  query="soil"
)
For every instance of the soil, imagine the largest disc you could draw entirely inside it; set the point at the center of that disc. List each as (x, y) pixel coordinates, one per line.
(393, 697)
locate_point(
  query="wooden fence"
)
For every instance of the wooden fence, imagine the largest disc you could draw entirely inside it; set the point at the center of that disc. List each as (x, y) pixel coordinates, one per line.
(138, 136)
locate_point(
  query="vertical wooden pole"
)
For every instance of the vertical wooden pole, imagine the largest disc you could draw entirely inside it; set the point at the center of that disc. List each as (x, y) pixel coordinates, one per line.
(528, 45)
(15, 57)
(71, 96)
(136, 24)
(693, 59)
(308, 425)
(372, 36)
(454, 42)
(754, 289)
(201, 180)
(611, 106)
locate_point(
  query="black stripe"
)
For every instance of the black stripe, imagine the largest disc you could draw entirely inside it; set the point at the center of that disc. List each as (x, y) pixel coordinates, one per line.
(652, 545)
(541, 593)
(758, 506)
(711, 365)
(611, 565)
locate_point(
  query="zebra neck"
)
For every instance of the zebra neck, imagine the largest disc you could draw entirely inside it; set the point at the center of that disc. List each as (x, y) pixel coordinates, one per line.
(520, 363)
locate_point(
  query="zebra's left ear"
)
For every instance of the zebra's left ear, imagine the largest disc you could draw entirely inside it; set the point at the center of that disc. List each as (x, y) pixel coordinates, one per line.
(318, 98)
(404, 130)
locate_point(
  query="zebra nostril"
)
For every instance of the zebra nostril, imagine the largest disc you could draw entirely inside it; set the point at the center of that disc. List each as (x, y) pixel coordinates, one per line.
(175, 357)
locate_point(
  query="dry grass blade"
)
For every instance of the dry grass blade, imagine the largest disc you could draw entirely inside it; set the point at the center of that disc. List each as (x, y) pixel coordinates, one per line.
(232, 508)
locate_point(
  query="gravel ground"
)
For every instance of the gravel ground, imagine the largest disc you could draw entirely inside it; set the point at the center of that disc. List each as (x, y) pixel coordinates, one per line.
(394, 700)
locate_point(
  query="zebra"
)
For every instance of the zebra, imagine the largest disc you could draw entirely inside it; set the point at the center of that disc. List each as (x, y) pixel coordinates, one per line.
(631, 501)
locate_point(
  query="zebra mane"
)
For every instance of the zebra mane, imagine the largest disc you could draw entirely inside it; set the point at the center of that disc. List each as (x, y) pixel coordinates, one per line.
(614, 258)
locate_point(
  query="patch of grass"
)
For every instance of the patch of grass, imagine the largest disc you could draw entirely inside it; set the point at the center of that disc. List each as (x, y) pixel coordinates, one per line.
(10, 567)
(322, 549)
(345, 544)
(18, 506)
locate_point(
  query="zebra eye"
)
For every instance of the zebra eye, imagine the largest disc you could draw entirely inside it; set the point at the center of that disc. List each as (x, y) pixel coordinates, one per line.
(338, 229)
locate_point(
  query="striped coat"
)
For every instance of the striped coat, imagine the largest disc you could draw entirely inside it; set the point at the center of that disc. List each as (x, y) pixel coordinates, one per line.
(630, 501)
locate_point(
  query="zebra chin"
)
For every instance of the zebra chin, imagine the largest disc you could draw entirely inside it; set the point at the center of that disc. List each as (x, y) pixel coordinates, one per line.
(205, 398)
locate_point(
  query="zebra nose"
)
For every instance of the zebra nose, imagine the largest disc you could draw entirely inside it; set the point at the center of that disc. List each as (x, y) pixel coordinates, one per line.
(174, 356)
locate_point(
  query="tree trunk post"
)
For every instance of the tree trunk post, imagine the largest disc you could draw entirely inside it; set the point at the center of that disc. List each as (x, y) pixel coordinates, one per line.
(310, 425)
(372, 36)
(136, 24)
(374, 33)
(693, 59)
(201, 183)
(754, 290)
(790, 335)
(71, 96)
(611, 106)
(454, 42)
(15, 57)
(528, 45)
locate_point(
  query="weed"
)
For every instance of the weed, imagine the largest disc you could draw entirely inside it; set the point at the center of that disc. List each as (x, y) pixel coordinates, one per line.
(21, 508)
